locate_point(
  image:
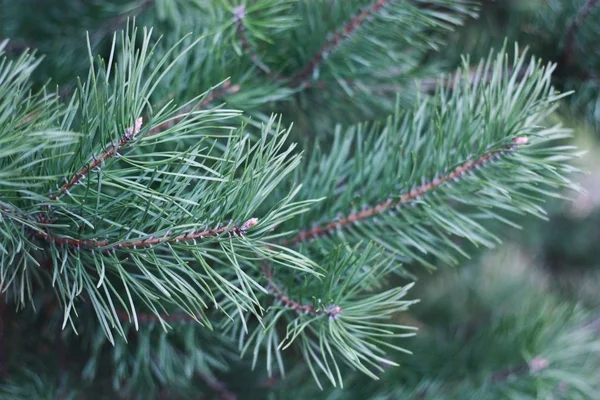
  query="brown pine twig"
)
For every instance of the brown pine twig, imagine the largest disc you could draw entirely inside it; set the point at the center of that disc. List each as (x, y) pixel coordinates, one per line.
(348, 29)
(80, 175)
(239, 13)
(152, 240)
(409, 197)
(333, 311)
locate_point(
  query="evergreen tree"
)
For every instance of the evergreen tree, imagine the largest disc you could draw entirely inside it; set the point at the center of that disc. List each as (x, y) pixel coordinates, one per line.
(167, 233)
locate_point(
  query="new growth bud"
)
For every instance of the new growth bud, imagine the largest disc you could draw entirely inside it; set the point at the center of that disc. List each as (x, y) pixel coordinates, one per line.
(520, 140)
(249, 224)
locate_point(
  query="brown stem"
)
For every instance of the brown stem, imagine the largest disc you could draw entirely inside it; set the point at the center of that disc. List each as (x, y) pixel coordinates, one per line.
(80, 175)
(584, 12)
(239, 13)
(149, 241)
(348, 29)
(414, 194)
(332, 311)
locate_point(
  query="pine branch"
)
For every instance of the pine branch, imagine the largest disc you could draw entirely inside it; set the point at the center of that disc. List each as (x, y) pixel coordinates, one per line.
(569, 45)
(151, 240)
(348, 29)
(239, 13)
(455, 175)
(332, 311)
(77, 178)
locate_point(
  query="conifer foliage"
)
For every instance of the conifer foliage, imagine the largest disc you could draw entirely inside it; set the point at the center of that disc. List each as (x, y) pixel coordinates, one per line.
(162, 218)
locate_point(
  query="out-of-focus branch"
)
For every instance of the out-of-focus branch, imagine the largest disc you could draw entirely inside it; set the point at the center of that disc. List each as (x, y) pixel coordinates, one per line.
(568, 52)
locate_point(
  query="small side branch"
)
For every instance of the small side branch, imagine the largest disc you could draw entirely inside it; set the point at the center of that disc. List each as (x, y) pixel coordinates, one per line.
(584, 12)
(404, 199)
(239, 13)
(332, 311)
(349, 28)
(80, 175)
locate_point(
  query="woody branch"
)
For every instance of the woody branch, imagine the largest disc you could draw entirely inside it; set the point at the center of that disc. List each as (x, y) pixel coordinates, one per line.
(239, 13)
(333, 311)
(151, 240)
(584, 12)
(80, 175)
(347, 30)
(409, 197)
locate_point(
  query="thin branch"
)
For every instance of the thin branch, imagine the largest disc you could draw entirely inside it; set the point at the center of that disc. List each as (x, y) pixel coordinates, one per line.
(239, 13)
(332, 311)
(152, 240)
(225, 89)
(149, 241)
(413, 195)
(80, 175)
(349, 28)
(584, 12)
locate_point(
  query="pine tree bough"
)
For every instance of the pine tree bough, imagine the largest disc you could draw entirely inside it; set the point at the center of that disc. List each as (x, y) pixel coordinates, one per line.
(126, 139)
(332, 311)
(569, 44)
(300, 78)
(239, 13)
(133, 241)
(168, 237)
(404, 199)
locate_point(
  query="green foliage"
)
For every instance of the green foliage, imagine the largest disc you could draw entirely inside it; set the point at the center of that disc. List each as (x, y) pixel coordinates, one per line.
(159, 222)
(542, 346)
